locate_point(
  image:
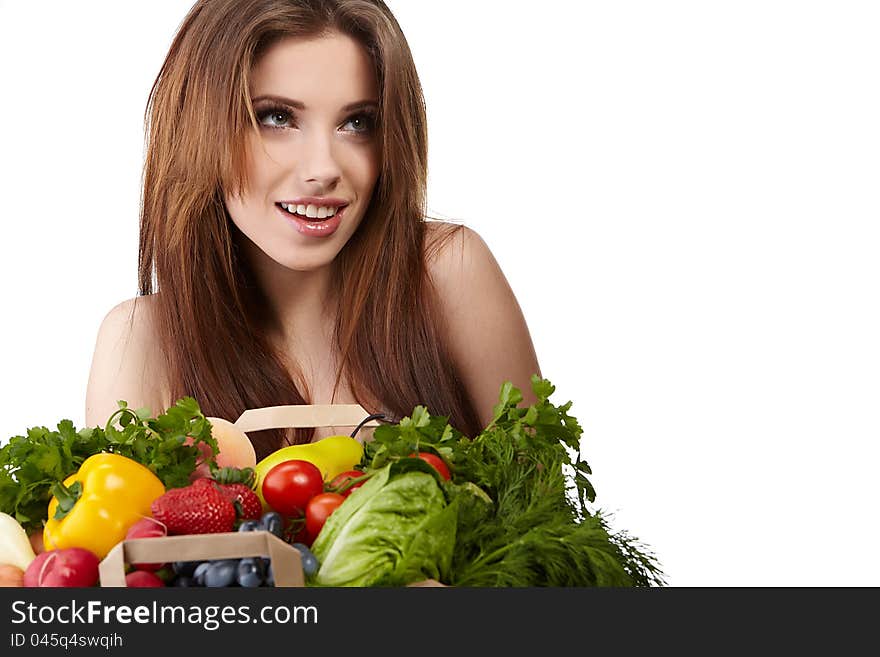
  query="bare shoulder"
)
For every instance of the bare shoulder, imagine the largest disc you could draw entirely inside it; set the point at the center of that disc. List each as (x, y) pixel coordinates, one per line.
(487, 333)
(453, 250)
(126, 364)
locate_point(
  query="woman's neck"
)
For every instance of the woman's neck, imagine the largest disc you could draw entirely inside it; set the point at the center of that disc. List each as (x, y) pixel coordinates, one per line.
(302, 302)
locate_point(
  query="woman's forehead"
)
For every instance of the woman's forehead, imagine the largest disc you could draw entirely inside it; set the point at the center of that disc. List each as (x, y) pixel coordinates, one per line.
(326, 69)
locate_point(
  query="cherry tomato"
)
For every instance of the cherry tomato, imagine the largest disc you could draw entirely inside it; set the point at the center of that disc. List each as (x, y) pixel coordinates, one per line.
(343, 478)
(319, 509)
(436, 461)
(288, 487)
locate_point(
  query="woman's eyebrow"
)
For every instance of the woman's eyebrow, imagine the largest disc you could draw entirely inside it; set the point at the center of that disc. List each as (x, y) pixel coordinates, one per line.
(298, 104)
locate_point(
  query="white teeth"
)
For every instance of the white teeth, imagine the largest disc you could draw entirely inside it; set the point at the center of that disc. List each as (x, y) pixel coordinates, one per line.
(310, 211)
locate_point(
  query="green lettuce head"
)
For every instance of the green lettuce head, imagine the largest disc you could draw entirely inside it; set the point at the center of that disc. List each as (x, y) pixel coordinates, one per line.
(395, 529)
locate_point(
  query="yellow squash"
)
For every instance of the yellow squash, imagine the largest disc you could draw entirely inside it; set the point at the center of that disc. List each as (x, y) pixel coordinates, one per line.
(333, 455)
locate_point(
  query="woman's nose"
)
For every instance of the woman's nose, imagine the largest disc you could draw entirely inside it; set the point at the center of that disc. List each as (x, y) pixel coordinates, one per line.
(317, 162)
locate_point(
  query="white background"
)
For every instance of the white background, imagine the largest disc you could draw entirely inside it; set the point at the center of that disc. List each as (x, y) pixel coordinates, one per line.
(683, 195)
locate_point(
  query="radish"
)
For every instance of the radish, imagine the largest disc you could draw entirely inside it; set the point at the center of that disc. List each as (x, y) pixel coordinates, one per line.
(68, 567)
(33, 569)
(142, 579)
(147, 527)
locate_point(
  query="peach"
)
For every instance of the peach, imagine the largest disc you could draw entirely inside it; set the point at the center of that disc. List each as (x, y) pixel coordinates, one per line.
(236, 449)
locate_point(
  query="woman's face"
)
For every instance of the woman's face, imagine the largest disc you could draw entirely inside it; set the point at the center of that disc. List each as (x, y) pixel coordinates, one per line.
(312, 175)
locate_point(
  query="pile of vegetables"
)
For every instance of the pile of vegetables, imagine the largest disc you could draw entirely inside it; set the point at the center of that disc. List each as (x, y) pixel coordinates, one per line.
(420, 502)
(508, 507)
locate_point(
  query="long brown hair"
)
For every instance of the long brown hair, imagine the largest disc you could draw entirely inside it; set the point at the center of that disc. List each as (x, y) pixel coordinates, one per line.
(210, 316)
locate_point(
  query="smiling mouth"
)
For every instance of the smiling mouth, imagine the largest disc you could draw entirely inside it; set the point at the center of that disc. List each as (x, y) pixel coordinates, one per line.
(310, 212)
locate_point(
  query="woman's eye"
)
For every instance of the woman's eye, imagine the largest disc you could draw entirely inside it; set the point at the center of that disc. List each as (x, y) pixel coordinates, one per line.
(274, 118)
(363, 123)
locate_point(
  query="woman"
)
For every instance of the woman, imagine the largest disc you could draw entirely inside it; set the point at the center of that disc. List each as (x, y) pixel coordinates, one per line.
(284, 253)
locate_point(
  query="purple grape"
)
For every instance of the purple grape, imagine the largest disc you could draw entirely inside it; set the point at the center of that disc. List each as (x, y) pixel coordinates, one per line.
(250, 572)
(272, 522)
(249, 526)
(308, 559)
(198, 576)
(221, 573)
(185, 568)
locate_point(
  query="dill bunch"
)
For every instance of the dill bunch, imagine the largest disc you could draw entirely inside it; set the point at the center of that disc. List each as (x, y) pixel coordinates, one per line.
(534, 526)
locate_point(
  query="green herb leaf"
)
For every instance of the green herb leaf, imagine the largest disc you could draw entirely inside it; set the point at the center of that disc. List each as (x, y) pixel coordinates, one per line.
(67, 497)
(230, 475)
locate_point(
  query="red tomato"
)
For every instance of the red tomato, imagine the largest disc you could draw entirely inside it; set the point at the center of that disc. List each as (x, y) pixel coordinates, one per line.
(288, 487)
(436, 461)
(343, 478)
(319, 509)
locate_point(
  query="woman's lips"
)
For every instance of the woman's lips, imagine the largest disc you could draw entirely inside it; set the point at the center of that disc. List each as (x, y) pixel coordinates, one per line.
(313, 227)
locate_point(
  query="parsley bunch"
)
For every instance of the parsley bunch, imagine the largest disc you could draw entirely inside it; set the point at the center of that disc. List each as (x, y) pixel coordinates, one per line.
(31, 464)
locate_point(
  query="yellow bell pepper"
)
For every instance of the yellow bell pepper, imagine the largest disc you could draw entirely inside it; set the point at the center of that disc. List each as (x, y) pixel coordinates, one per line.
(99, 503)
(333, 455)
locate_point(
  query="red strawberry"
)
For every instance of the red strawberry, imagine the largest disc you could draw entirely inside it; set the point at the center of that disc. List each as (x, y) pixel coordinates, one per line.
(247, 504)
(199, 508)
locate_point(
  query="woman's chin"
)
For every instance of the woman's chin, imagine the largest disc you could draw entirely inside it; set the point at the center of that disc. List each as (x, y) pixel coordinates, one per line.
(302, 264)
